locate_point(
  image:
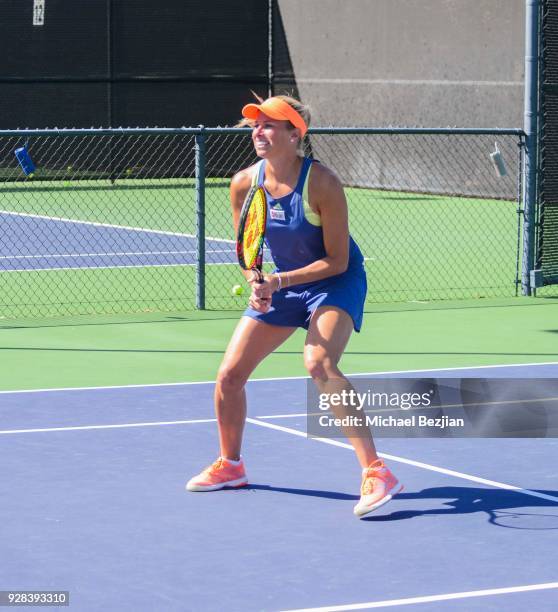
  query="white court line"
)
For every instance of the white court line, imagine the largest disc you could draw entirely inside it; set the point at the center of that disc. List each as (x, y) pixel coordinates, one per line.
(113, 426)
(505, 402)
(129, 253)
(429, 598)
(288, 416)
(111, 225)
(419, 464)
(278, 378)
(118, 267)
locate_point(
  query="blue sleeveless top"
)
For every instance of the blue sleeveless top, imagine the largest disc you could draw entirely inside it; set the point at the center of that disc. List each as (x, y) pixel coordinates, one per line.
(294, 241)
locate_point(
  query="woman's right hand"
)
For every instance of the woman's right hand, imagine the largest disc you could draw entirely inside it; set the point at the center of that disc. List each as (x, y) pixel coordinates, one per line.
(259, 300)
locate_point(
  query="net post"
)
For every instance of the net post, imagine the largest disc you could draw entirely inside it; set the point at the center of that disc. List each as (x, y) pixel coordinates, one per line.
(530, 127)
(200, 218)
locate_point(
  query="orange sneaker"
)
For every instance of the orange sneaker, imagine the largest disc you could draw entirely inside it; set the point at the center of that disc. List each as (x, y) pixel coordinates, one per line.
(220, 474)
(379, 485)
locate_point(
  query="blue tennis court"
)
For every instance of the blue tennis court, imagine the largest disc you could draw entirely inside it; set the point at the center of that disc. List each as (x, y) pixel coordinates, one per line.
(37, 243)
(95, 504)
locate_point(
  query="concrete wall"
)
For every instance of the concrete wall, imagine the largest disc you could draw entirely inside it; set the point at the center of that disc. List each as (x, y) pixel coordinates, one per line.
(432, 63)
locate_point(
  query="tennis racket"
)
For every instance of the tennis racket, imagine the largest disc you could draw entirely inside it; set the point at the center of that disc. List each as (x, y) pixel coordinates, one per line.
(251, 231)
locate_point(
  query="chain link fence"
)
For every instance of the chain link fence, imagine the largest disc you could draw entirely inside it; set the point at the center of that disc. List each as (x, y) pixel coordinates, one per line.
(138, 220)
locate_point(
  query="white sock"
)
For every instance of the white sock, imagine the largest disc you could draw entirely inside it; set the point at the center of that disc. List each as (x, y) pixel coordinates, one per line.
(233, 462)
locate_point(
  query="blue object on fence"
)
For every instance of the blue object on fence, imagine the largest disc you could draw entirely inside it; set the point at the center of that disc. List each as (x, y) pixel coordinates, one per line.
(25, 161)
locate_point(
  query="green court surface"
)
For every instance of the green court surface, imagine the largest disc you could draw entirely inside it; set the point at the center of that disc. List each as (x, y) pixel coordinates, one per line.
(416, 246)
(187, 346)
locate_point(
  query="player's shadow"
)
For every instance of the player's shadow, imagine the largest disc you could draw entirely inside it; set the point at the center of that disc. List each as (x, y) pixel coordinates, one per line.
(504, 508)
(498, 504)
(305, 492)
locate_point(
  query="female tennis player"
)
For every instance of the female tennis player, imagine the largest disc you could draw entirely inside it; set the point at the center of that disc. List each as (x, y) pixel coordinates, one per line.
(319, 284)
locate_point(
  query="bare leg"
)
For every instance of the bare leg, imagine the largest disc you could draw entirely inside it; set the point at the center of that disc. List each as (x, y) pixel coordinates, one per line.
(251, 342)
(328, 334)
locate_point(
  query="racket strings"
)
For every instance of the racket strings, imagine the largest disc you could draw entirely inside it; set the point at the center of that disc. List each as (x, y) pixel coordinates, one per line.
(253, 230)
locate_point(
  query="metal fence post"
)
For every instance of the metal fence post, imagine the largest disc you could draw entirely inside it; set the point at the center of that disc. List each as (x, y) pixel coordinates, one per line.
(200, 218)
(530, 128)
(520, 211)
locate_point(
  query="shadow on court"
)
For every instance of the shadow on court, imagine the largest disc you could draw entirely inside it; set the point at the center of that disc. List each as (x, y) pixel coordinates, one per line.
(304, 492)
(498, 504)
(468, 500)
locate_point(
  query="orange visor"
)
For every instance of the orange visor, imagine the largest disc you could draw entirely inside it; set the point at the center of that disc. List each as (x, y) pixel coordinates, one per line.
(276, 109)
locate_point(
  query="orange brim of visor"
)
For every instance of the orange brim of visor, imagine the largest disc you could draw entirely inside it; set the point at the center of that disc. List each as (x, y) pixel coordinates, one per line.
(276, 109)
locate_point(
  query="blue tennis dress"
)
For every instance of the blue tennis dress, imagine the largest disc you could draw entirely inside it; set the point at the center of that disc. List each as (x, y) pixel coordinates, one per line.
(294, 237)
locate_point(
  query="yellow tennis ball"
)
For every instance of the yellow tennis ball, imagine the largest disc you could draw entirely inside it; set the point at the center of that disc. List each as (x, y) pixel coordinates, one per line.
(31, 175)
(237, 290)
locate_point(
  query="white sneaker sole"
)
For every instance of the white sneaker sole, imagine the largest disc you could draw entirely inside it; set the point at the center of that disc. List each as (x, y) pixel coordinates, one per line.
(240, 482)
(366, 510)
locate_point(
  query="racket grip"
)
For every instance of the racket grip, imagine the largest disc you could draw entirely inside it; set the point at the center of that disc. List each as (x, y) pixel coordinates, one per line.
(260, 280)
(259, 275)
